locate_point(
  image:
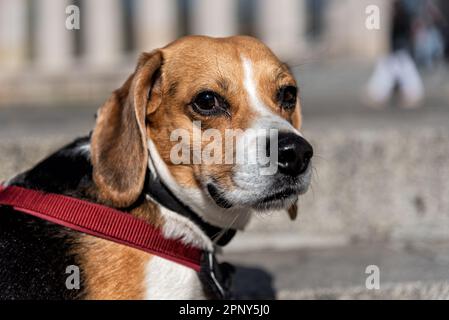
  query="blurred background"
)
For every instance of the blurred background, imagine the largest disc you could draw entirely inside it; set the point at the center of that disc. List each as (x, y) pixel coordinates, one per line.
(374, 88)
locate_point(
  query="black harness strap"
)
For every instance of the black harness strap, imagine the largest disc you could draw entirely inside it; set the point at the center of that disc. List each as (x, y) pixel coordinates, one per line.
(215, 277)
(157, 190)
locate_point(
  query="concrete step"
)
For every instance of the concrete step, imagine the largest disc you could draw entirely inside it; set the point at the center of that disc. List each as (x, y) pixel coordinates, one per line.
(391, 291)
(405, 272)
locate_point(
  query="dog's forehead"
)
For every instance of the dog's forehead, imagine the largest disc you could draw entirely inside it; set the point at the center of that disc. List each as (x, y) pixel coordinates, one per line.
(224, 56)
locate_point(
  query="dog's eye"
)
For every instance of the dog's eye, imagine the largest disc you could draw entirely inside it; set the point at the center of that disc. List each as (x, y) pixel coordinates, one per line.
(287, 97)
(209, 103)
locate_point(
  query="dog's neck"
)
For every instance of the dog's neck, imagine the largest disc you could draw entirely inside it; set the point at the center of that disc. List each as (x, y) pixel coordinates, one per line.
(195, 199)
(156, 191)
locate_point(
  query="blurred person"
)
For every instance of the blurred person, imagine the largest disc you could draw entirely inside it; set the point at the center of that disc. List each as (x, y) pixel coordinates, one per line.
(444, 7)
(428, 37)
(315, 19)
(398, 70)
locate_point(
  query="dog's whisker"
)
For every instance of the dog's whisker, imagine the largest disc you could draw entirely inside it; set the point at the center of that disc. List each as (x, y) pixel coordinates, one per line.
(320, 157)
(313, 191)
(220, 234)
(315, 175)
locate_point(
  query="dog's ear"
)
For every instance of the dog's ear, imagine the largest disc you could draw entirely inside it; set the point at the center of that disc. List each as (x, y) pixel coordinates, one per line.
(119, 142)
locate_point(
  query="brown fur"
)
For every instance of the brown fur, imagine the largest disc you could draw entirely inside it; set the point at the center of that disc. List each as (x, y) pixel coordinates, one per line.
(153, 102)
(186, 72)
(112, 271)
(119, 142)
(115, 271)
(175, 74)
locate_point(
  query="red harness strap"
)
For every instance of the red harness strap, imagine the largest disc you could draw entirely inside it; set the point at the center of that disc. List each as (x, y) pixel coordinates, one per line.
(100, 221)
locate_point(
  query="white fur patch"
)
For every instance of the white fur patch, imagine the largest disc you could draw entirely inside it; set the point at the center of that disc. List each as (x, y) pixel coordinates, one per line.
(265, 113)
(251, 88)
(84, 149)
(167, 280)
(178, 227)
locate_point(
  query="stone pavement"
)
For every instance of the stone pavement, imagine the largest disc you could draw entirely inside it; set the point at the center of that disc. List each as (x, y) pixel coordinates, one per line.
(406, 272)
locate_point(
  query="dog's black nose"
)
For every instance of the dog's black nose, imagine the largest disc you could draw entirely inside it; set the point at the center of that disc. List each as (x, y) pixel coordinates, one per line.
(294, 154)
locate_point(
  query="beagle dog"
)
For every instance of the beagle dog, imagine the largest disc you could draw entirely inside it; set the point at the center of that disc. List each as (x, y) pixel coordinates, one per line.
(195, 84)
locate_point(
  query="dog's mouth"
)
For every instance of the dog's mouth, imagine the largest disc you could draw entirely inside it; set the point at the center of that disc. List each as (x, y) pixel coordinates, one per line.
(278, 200)
(275, 200)
(218, 197)
(280, 195)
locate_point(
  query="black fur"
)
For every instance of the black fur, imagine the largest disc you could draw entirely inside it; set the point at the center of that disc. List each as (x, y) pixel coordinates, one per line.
(67, 171)
(34, 253)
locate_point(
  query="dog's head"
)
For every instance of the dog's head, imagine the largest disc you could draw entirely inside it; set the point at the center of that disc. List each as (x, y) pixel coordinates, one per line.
(217, 119)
